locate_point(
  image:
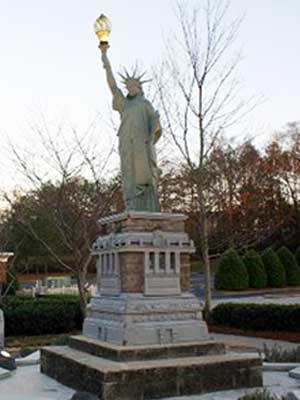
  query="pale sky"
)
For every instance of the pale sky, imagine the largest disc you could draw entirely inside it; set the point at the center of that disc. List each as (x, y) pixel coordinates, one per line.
(50, 62)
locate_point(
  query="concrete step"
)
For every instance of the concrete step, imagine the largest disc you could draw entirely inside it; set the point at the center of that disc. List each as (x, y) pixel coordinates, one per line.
(150, 379)
(151, 352)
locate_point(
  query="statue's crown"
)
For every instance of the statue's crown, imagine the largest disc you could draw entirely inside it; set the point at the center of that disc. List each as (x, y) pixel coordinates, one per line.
(134, 76)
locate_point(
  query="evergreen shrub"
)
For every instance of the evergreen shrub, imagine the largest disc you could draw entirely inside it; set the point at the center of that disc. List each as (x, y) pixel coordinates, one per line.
(231, 272)
(41, 316)
(274, 268)
(292, 270)
(256, 270)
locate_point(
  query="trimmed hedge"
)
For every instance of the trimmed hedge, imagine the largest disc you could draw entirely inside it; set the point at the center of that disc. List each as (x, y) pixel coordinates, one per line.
(41, 316)
(231, 273)
(291, 267)
(274, 268)
(261, 317)
(256, 270)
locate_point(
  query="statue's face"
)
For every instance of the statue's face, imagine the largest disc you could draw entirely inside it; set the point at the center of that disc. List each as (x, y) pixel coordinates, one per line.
(133, 87)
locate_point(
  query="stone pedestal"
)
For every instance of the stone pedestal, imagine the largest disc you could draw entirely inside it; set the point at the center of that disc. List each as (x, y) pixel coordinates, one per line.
(143, 282)
(144, 336)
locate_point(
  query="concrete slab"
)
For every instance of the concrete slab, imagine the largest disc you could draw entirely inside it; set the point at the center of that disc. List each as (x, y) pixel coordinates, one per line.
(280, 366)
(4, 373)
(27, 383)
(295, 395)
(295, 373)
(32, 359)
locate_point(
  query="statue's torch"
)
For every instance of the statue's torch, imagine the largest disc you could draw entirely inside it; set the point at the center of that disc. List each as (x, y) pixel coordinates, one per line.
(102, 28)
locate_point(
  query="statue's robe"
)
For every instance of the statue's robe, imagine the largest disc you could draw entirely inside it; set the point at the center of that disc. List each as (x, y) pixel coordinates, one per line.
(139, 131)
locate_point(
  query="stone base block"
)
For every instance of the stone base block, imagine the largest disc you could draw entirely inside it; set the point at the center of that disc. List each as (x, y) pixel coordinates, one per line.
(139, 380)
(135, 319)
(136, 353)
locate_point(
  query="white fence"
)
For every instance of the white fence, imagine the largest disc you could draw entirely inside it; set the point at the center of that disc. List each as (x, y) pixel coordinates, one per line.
(41, 290)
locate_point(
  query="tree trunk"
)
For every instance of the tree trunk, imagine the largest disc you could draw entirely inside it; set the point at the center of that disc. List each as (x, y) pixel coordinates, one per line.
(82, 294)
(205, 252)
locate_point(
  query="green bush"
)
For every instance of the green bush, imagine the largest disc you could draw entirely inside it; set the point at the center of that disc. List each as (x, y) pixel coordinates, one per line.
(256, 270)
(274, 268)
(297, 255)
(260, 317)
(231, 273)
(41, 316)
(292, 270)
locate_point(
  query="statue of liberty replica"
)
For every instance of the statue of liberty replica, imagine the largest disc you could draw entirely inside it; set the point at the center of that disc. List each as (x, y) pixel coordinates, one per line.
(138, 133)
(143, 318)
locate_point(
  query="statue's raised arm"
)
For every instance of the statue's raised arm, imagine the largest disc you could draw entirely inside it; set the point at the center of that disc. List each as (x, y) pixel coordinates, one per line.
(118, 96)
(106, 65)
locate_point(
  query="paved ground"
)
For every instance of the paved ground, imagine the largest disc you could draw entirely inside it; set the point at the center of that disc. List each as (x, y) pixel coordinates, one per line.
(27, 383)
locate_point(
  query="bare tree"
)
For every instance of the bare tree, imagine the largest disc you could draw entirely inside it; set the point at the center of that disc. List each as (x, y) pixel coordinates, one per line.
(67, 191)
(199, 95)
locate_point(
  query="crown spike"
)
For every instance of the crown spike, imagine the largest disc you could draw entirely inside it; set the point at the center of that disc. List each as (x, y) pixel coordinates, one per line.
(135, 71)
(122, 76)
(127, 74)
(145, 81)
(141, 76)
